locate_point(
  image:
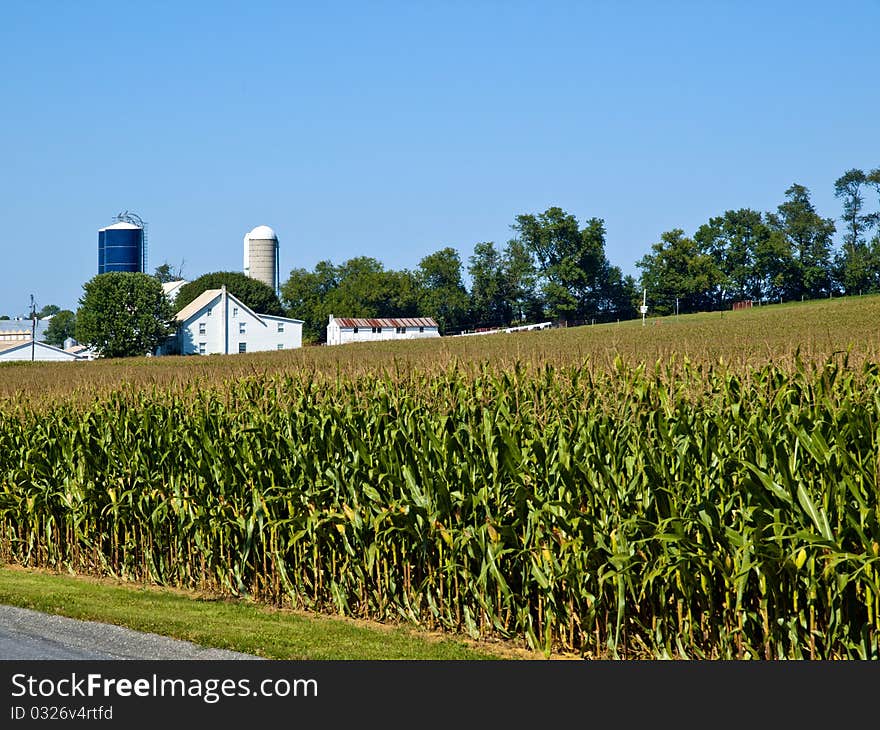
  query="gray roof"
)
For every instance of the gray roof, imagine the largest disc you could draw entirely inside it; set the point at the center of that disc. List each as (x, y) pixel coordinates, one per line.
(24, 325)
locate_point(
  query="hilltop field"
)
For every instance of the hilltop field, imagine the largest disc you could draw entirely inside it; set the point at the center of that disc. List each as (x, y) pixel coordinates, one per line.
(701, 486)
(742, 340)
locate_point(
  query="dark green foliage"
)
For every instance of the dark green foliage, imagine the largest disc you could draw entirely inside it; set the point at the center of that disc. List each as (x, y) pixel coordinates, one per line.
(442, 294)
(359, 287)
(809, 239)
(678, 269)
(61, 326)
(255, 294)
(122, 314)
(857, 265)
(164, 273)
(48, 311)
(576, 279)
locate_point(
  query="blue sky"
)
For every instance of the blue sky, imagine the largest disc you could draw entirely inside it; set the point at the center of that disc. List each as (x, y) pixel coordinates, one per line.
(395, 129)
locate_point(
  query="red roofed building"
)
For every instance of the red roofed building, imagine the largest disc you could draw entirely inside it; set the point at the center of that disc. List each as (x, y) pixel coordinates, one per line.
(342, 330)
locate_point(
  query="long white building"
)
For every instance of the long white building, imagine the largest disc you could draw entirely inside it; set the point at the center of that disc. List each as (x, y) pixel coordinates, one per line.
(25, 350)
(217, 322)
(343, 330)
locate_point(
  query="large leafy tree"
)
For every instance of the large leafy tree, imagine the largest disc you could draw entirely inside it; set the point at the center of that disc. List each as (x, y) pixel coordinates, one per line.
(61, 326)
(575, 274)
(49, 310)
(856, 264)
(809, 239)
(123, 313)
(521, 283)
(304, 295)
(359, 287)
(165, 273)
(490, 297)
(677, 269)
(443, 295)
(254, 293)
(733, 241)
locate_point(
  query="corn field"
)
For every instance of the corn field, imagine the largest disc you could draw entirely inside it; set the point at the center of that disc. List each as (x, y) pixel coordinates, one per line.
(673, 510)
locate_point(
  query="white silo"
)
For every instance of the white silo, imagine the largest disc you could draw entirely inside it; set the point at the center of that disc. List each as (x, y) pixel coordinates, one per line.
(261, 256)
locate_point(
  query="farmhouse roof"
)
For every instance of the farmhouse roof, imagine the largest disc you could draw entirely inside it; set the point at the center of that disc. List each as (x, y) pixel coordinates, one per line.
(204, 299)
(210, 295)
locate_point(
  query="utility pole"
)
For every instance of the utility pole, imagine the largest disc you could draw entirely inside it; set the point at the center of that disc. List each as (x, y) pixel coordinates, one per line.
(33, 328)
(644, 308)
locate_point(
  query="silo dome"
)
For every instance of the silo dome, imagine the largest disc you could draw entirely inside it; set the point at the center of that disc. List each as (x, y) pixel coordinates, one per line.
(262, 233)
(261, 256)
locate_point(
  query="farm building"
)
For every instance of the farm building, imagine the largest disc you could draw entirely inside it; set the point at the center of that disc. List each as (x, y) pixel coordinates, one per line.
(18, 330)
(172, 287)
(216, 322)
(342, 330)
(26, 350)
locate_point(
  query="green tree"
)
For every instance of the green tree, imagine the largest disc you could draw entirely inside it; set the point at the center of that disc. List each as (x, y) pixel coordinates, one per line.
(359, 287)
(521, 283)
(443, 295)
(575, 274)
(677, 269)
(255, 294)
(48, 311)
(365, 289)
(490, 300)
(123, 313)
(733, 240)
(304, 295)
(164, 273)
(61, 326)
(809, 239)
(855, 264)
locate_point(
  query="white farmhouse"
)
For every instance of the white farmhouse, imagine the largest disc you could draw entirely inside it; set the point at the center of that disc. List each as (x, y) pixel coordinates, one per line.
(343, 330)
(216, 322)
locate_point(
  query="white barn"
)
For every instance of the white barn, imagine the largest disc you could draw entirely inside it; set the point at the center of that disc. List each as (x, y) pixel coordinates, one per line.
(27, 350)
(342, 330)
(217, 322)
(172, 287)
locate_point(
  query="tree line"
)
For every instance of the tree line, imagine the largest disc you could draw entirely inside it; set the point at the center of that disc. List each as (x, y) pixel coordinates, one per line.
(553, 268)
(781, 255)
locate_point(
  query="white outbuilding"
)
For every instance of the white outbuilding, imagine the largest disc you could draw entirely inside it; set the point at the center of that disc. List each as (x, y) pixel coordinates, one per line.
(172, 287)
(217, 322)
(342, 330)
(27, 350)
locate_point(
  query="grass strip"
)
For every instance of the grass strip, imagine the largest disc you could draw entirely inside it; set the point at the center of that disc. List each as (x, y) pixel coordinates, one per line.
(223, 623)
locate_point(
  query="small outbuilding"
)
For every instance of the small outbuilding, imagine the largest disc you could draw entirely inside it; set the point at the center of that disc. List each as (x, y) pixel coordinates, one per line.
(342, 330)
(172, 287)
(27, 350)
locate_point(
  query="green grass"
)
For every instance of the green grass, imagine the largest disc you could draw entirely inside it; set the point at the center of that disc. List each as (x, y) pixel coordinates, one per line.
(224, 624)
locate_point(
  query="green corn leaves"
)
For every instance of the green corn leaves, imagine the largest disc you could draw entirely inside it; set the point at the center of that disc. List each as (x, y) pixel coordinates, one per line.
(680, 511)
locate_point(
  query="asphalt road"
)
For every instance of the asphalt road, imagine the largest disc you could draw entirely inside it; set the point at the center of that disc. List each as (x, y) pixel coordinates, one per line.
(26, 634)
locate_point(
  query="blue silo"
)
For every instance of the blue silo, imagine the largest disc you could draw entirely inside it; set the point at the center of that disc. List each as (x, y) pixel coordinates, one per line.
(121, 248)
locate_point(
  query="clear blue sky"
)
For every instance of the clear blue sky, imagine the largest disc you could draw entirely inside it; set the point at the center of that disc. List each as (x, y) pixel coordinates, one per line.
(393, 129)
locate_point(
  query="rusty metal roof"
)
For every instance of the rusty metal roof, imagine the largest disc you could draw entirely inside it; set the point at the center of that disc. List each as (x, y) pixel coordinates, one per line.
(397, 322)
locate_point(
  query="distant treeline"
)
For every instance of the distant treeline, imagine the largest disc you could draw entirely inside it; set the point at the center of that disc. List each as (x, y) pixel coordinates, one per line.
(553, 268)
(556, 269)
